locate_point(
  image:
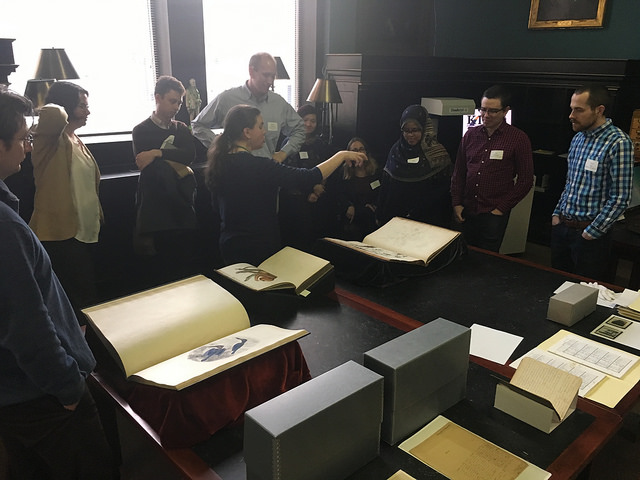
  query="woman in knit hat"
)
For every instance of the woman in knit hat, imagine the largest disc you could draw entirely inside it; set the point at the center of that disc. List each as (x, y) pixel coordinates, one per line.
(416, 177)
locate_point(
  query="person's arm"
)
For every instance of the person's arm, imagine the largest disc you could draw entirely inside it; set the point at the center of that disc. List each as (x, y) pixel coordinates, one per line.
(183, 149)
(523, 159)
(294, 130)
(619, 195)
(210, 117)
(28, 330)
(458, 181)
(329, 166)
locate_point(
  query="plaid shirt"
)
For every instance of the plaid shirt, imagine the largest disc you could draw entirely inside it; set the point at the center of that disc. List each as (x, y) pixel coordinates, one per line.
(485, 168)
(599, 178)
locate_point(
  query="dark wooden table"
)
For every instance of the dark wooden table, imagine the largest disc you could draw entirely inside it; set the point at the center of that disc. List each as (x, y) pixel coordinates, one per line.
(483, 288)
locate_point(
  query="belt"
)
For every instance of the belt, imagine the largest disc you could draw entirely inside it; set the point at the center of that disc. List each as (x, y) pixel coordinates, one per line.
(577, 224)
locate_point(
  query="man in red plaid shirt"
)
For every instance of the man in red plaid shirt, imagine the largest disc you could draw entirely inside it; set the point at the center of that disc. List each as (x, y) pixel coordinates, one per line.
(492, 173)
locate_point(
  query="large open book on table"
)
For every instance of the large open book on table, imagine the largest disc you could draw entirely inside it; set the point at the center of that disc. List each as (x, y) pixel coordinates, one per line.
(179, 334)
(287, 269)
(403, 240)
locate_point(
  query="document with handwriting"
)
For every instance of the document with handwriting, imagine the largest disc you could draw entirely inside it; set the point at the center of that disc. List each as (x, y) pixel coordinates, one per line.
(460, 454)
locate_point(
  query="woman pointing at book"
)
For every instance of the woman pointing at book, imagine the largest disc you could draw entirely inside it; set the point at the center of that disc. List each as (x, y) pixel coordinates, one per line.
(245, 188)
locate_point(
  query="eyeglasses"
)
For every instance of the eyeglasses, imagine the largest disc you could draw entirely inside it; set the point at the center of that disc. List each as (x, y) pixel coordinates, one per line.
(358, 149)
(491, 111)
(410, 131)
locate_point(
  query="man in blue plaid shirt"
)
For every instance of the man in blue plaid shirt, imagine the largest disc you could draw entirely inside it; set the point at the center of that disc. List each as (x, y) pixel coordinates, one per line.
(598, 187)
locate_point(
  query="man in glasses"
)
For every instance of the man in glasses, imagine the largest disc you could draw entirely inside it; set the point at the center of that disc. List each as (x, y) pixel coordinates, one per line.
(49, 423)
(492, 173)
(598, 187)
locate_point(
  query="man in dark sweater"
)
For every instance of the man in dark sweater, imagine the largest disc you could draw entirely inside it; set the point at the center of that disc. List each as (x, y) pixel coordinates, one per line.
(48, 420)
(166, 219)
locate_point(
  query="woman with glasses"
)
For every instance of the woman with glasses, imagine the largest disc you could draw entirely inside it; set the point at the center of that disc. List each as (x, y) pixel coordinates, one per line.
(67, 213)
(416, 177)
(358, 194)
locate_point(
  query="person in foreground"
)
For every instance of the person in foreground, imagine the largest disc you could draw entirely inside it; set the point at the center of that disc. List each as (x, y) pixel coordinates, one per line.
(280, 118)
(597, 190)
(492, 173)
(245, 187)
(67, 214)
(48, 420)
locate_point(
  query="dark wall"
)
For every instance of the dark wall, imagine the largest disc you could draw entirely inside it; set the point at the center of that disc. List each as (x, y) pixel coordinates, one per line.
(486, 28)
(498, 28)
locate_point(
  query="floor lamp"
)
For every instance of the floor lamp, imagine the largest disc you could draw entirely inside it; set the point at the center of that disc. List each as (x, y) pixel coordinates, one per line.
(325, 91)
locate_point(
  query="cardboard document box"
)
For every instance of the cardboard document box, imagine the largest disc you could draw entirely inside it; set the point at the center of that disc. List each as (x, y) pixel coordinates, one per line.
(572, 304)
(425, 372)
(328, 427)
(539, 394)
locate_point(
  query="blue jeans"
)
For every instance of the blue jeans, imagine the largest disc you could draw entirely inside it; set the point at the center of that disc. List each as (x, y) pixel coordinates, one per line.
(485, 230)
(572, 253)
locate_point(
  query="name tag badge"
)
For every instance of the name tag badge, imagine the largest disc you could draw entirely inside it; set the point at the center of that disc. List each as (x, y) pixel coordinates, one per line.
(375, 184)
(304, 155)
(413, 160)
(272, 126)
(591, 165)
(496, 154)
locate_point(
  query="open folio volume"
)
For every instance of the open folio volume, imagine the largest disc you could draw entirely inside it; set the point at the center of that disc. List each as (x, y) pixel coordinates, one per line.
(403, 240)
(287, 269)
(181, 333)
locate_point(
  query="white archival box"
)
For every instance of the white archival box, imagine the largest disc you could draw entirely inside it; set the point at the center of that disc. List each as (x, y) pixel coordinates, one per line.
(448, 106)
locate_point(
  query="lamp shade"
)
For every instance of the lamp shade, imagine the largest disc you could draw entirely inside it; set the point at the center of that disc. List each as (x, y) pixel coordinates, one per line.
(324, 90)
(54, 63)
(281, 72)
(37, 91)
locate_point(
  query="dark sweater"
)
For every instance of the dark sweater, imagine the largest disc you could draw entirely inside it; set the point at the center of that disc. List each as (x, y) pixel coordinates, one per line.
(246, 193)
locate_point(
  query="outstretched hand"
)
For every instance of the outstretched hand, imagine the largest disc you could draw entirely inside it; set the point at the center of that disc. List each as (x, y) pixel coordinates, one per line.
(355, 159)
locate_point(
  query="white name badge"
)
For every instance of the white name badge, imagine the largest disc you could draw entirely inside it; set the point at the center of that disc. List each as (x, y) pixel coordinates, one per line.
(304, 155)
(375, 184)
(496, 154)
(272, 126)
(413, 160)
(591, 165)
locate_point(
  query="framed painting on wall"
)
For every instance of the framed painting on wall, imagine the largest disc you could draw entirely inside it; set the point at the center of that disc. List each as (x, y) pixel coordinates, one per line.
(566, 13)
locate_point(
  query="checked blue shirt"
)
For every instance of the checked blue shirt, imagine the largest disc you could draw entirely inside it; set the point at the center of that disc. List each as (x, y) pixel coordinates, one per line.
(599, 178)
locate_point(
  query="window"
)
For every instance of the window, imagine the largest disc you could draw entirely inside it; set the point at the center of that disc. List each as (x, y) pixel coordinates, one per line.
(236, 30)
(110, 47)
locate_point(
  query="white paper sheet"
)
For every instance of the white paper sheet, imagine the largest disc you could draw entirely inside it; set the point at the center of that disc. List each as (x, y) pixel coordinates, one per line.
(491, 344)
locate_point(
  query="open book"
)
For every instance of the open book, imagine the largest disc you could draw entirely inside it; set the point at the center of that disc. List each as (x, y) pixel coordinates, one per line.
(403, 240)
(287, 269)
(178, 334)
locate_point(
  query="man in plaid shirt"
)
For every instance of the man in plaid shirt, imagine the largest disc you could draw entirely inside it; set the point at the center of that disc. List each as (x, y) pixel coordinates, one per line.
(598, 187)
(492, 173)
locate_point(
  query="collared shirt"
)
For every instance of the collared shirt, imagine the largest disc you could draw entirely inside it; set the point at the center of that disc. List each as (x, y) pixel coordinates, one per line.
(492, 171)
(279, 117)
(599, 178)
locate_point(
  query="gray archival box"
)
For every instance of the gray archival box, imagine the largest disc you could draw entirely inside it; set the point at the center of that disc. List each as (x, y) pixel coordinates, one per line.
(328, 427)
(425, 372)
